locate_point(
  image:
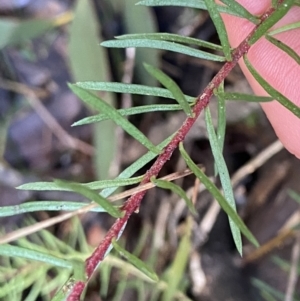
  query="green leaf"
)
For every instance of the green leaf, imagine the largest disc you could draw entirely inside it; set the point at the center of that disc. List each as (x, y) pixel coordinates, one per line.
(224, 177)
(288, 50)
(143, 21)
(79, 269)
(210, 186)
(176, 189)
(129, 112)
(271, 91)
(137, 165)
(220, 27)
(294, 195)
(100, 105)
(130, 88)
(221, 129)
(15, 32)
(171, 37)
(63, 293)
(221, 117)
(88, 61)
(42, 186)
(245, 97)
(136, 262)
(241, 11)
(166, 81)
(278, 14)
(18, 252)
(176, 272)
(163, 45)
(91, 195)
(284, 28)
(44, 206)
(200, 4)
(269, 289)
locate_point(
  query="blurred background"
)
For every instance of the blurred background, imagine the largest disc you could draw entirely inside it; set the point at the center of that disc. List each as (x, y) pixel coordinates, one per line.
(44, 44)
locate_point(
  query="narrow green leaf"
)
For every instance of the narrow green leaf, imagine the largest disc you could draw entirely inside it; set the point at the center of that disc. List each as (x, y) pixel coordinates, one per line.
(288, 50)
(294, 195)
(136, 262)
(78, 269)
(220, 27)
(269, 289)
(63, 293)
(14, 288)
(278, 14)
(221, 129)
(129, 112)
(44, 206)
(271, 91)
(200, 4)
(88, 61)
(130, 88)
(176, 272)
(96, 185)
(14, 32)
(224, 177)
(18, 252)
(91, 195)
(176, 189)
(221, 117)
(163, 45)
(245, 97)
(99, 104)
(210, 186)
(284, 28)
(143, 21)
(241, 11)
(166, 81)
(171, 37)
(137, 165)
(283, 264)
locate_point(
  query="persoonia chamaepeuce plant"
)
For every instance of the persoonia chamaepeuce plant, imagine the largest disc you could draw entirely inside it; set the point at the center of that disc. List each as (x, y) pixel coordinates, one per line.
(192, 106)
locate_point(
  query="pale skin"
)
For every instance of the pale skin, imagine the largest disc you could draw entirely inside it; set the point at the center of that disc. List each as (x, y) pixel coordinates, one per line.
(282, 72)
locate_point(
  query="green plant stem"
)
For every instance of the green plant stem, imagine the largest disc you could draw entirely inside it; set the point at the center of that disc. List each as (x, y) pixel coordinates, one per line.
(133, 203)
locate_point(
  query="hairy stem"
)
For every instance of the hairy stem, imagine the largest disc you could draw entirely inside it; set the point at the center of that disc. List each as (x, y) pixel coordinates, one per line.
(133, 203)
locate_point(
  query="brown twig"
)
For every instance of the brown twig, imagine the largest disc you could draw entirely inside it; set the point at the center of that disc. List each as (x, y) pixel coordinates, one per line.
(58, 219)
(133, 203)
(32, 96)
(293, 276)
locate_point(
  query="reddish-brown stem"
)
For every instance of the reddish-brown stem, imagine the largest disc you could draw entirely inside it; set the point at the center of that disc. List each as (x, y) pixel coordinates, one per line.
(133, 203)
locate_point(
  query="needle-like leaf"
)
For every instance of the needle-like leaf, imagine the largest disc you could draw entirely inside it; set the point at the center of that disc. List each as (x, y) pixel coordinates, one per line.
(91, 195)
(163, 45)
(171, 37)
(136, 261)
(284, 47)
(220, 27)
(224, 177)
(280, 11)
(99, 104)
(130, 88)
(271, 91)
(166, 81)
(210, 186)
(176, 189)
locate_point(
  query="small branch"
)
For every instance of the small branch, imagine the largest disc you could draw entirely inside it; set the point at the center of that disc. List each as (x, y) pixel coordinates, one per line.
(62, 135)
(293, 276)
(58, 219)
(133, 203)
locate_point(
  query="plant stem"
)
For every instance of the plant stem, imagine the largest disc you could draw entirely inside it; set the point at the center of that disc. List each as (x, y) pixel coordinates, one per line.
(133, 203)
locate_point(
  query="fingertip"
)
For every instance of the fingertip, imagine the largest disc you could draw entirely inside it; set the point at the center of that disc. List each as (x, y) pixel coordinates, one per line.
(274, 65)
